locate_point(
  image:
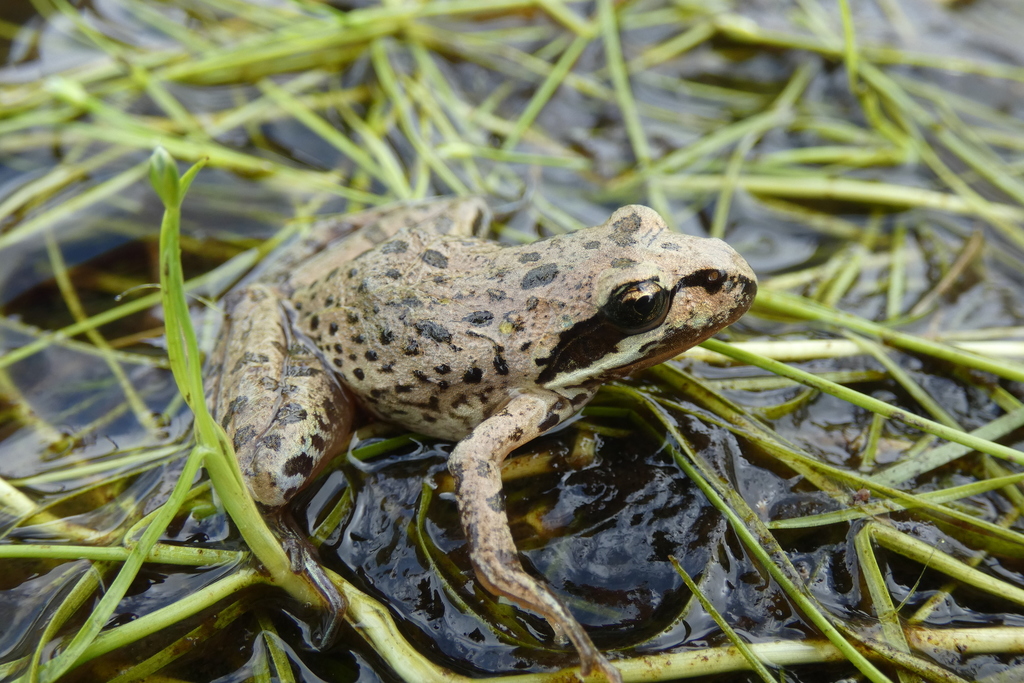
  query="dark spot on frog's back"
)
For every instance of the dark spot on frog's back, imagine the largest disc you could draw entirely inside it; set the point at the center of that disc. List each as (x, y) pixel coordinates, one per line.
(479, 318)
(249, 358)
(530, 257)
(243, 436)
(432, 330)
(237, 403)
(435, 259)
(592, 244)
(301, 465)
(290, 413)
(540, 276)
(625, 229)
(500, 366)
(496, 294)
(395, 247)
(623, 263)
(473, 376)
(271, 442)
(317, 442)
(301, 371)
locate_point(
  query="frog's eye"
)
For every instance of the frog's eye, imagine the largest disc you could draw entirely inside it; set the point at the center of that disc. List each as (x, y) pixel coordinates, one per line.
(637, 307)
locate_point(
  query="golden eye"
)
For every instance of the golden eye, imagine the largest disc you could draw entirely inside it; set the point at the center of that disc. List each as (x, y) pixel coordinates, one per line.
(637, 307)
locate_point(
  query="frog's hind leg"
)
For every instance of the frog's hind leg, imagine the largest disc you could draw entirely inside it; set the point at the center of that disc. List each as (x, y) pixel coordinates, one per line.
(476, 466)
(285, 413)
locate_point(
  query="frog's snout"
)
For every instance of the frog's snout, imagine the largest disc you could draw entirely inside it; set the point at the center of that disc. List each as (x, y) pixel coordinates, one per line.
(747, 282)
(747, 287)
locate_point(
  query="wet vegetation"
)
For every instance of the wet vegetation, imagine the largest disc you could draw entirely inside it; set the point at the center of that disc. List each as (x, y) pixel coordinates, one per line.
(829, 490)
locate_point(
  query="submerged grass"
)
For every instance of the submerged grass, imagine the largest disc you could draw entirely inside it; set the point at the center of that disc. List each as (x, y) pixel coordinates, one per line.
(298, 109)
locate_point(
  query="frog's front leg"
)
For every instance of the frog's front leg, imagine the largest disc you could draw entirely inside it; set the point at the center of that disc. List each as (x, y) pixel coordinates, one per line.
(475, 465)
(284, 411)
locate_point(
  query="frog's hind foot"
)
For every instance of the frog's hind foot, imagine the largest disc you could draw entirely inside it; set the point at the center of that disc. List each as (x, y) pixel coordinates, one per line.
(323, 626)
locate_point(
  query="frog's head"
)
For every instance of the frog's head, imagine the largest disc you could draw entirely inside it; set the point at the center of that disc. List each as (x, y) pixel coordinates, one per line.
(652, 295)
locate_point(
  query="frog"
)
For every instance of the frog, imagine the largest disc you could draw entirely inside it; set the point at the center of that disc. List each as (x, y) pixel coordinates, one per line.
(413, 314)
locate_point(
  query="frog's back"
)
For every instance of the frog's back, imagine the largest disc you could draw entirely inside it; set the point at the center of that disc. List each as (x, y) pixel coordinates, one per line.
(420, 329)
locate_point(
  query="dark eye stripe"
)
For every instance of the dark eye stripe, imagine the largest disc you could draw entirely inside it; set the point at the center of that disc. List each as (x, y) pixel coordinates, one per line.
(710, 279)
(580, 346)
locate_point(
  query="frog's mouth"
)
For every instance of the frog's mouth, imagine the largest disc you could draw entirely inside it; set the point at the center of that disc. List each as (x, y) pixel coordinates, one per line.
(593, 349)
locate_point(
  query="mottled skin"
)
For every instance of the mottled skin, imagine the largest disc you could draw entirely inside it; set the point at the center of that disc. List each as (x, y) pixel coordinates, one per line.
(464, 339)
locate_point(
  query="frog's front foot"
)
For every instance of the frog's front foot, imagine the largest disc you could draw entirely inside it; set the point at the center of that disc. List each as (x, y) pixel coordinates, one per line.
(475, 465)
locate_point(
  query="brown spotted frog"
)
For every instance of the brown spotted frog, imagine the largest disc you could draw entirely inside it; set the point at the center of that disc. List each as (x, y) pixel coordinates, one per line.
(429, 326)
